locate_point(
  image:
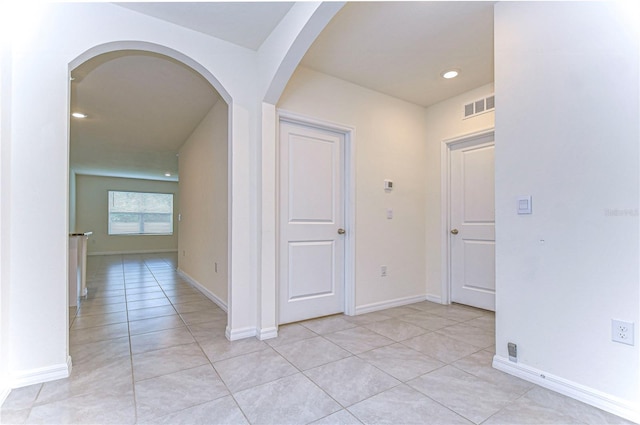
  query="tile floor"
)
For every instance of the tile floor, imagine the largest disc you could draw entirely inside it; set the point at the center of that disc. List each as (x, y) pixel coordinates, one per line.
(148, 348)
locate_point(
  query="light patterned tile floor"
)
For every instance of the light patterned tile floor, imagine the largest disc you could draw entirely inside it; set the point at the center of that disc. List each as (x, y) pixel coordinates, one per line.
(149, 348)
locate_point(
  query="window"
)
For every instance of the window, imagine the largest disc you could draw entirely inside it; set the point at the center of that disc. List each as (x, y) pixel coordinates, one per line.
(137, 213)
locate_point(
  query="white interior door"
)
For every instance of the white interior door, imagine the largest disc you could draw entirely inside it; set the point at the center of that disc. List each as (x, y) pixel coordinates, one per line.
(472, 219)
(312, 245)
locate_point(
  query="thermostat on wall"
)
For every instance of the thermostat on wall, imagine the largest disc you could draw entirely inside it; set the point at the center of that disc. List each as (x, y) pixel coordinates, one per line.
(388, 185)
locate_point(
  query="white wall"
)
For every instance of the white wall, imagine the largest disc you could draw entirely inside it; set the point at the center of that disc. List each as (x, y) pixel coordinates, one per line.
(92, 212)
(45, 47)
(567, 92)
(37, 199)
(444, 121)
(72, 201)
(39, 90)
(389, 144)
(202, 241)
(5, 84)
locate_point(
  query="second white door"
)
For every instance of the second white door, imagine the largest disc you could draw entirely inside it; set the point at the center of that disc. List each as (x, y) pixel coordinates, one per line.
(312, 229)
(472, 218)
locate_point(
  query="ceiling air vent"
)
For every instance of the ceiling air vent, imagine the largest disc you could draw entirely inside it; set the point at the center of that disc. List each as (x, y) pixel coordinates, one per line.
(479, 106)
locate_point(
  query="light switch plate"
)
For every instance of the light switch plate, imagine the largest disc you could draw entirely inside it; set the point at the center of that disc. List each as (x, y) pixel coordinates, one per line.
(524, 205)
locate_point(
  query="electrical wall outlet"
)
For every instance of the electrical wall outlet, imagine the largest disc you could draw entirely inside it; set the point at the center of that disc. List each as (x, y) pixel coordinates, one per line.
(513, 352)
(383, 271)
(622, 332)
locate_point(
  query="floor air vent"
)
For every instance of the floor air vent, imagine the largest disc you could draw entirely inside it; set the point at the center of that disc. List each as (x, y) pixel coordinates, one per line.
(479, 106)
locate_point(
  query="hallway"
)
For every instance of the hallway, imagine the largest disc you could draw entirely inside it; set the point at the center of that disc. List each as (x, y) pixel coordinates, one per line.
(149, 348)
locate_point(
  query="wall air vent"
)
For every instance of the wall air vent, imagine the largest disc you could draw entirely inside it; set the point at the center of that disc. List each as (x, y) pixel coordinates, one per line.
(491, 102)
(479, 107)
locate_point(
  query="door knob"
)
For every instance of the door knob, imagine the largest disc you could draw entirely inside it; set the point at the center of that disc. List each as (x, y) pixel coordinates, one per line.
(341, 231)
(454, 232)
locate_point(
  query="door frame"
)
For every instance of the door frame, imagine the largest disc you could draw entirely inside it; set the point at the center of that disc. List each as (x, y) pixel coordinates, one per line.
(470, 139)
(349, 201)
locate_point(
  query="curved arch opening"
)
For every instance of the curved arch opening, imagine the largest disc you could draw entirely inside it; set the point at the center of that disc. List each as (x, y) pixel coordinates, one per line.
(156, 122)
(152, 48)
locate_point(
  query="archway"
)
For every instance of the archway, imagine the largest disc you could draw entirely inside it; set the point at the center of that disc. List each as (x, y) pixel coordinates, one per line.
(144, 49)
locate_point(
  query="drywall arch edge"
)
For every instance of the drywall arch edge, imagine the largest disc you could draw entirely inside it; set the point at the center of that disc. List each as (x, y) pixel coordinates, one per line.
(299, 47)
(154, 48)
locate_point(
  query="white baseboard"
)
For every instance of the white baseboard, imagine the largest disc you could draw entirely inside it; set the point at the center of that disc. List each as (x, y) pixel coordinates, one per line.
(150, 251)
(236, 334)
(434, 298)
(207, 293)
(4, 393)
(604, 401)
(24, 378)
(267, 333)
(398, 302)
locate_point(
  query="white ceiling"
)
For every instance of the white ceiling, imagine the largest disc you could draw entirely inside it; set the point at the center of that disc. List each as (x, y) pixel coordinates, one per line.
(142, 107)
(401, 48)
(246, 24)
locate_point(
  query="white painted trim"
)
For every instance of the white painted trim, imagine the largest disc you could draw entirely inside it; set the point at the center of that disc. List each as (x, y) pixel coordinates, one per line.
(150, 251)
(445, 202)
(267, 292)
(236, 334)
(349, 134)
(591, 396)
(267, 333)
(4, 393)
(207, 293)
(398, 302)
(434, 298)
(230, 211)
(24, 378)
(350, 220)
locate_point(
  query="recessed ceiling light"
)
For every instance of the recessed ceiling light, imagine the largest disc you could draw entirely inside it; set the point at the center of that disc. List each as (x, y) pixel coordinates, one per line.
(451, 73)
(79, 115)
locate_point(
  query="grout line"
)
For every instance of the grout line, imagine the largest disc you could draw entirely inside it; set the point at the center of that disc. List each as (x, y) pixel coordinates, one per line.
(316, 334)
(133, 381)
(230, 393)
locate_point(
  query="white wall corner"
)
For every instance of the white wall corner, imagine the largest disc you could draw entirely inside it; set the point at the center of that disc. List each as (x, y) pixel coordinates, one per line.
(4, 393)
(398, 302)
(269, 209)
(591, 396)
(236, 334)
(435, 298)
(243, 237)
(213, 297)
(268, 333)
(24, 378)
